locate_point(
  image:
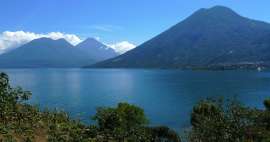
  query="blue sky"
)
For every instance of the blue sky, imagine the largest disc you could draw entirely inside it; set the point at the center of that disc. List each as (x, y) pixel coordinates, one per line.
(113, 20)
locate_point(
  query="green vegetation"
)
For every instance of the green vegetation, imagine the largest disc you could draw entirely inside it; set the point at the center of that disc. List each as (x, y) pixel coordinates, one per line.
(212, 120)
(229, 121)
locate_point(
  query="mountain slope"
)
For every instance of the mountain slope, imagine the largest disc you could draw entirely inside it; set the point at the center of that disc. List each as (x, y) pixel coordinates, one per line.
(215, 36)
(96, 50)
(45, 52)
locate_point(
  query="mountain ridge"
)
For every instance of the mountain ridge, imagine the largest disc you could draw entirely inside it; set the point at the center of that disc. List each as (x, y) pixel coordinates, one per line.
(44, 52)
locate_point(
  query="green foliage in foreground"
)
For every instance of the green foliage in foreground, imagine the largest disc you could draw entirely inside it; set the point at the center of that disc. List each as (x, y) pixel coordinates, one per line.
(22, 122)
(229, 121)
(125, 121)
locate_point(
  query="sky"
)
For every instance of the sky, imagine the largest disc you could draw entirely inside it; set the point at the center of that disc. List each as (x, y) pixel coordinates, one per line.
(121, 24)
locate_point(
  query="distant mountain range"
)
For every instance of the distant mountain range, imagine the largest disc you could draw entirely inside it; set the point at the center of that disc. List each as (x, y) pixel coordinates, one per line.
(214, 37)
(45, 52)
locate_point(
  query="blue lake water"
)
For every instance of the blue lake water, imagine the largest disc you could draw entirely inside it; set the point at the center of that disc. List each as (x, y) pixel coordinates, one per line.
(167, 96)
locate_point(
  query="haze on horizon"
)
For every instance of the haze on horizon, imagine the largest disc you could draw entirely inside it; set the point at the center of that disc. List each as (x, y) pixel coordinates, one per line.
(120, 24)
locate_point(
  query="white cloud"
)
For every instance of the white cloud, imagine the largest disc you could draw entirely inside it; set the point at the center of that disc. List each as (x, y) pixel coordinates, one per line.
(97, 38)
(10, 40)
(73, 39)
(122, 47)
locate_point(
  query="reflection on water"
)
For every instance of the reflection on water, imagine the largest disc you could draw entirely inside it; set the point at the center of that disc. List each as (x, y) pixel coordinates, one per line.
(167, 96)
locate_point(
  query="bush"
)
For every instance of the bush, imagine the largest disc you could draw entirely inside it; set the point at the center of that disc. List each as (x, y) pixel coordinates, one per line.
(215, 120)
(123, 122)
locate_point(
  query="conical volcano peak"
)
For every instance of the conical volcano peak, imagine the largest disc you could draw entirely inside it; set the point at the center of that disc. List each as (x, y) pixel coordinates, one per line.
(91, 42)
(91, 39)
(96, 49)
(217, 15)
(220, 8)
(217, 11)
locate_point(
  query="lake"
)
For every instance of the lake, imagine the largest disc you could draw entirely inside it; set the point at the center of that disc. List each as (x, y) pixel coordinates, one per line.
(167, 96)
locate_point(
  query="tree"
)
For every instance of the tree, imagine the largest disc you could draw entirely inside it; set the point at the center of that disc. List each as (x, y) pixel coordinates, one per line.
(216, 120)
(13, 111)
(126, 121)
(267, 104)
(10, 98)
(163, 133)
